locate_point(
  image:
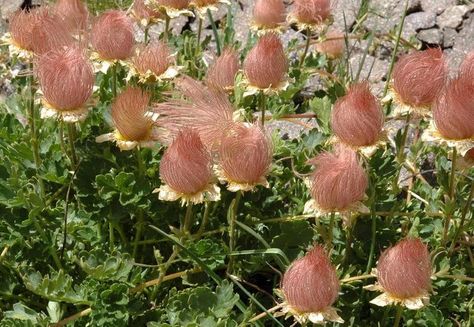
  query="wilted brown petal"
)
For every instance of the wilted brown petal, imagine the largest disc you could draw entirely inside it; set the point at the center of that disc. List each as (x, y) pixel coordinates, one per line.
(204, 3)
(269, 13)
(311, 12)
(176, 4)
(311, 283)
(404, 270)
(155, 57)
(221, 73)
(338, 180)
(186, 164)
(453, 110)
(112, 35)
(334, 45)
(266, 64)
(357, 118)
(66, 78)
(128, 114)
(74, 13)
(245, 154)
(418, 77)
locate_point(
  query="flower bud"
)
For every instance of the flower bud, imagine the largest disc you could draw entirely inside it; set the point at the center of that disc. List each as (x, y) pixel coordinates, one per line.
(266, 64)
(269, 14)
(186, 164)
(66, 78)
(175, 4)
(311, 12)
(404, 270)
(49, 32)
(74, 13)
(333, 46)
(357, 117)
(154, 57)
(310, 284)
(221, 74)
(453, 111)
(128, 114)
(245, 155)
(338, 181)
(112, 35)
(418, 77)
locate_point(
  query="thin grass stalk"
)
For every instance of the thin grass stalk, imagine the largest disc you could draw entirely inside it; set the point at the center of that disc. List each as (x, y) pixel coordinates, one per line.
(306, 48)
(451, 196)
(205, 219)
(199, 32)
(167, 28)
(232, 238)
(215, 32)
(463, 219)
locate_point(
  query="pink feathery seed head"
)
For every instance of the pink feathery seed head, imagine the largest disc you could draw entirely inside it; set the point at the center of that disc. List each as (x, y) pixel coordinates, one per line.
(269, 13)
(142, 11)
(404, 270)
(467, 68)
(221, 74)
(310, 284)
(186, 164)
(66, 78)
(49, 32)
(333, 46)
(338, 180)
(74, 13)
(312, 12)
(128, 114)
(112, 35)
(418, 77)
(175, 4)
(266, 64)
(21, 23)
(245, 154)
(357, 117)
(154, 57)
(453, 110)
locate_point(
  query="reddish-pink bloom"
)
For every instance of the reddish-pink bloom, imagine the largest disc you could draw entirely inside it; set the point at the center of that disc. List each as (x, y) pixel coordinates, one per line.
(357, 118)
(66, 78)
(467, 68)
(404, 270)
(74, 13)
(333, 46)
(269, 13)
(128, 114)
(418, 77)
(49, 32)
(453, 110)
(311, 12)
(204, 109)
(112, 35)
(154, 57)
(175, 4)
(186, 164)
(142, 11)
(245, 154)
(338, 181)
(311, 283)
(221, 73)
(21, 24)
(266, 64)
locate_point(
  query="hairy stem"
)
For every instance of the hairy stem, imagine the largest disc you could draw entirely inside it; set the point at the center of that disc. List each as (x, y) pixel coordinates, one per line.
(205, 219)
(263, 106)
(398, 316)
(232, 220)
(167, 28)
(140, 215)
(306, 48)
(451, 196)
(71, 130)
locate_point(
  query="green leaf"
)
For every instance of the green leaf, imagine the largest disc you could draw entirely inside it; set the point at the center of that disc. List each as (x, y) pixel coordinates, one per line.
(102, 266)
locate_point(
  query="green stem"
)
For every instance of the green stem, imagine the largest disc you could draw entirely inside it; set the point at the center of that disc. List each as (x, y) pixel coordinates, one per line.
(233, 219)
(263, 106)
(198, 43)
(330, 231)
(140, 214)
(306, 48)
(463, 219)
(34, 137)
(111, 237)
(214, 31)
(451, 195)
(167, 28)
(147, 30)
(205, 219)
(188, 218)
(71, 130)
(398, 316)
(52, 252)
(114, 80)
(373, 237)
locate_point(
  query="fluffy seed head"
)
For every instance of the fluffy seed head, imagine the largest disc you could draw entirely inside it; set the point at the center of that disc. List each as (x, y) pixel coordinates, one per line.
(245, 154)
(206, 110)
(49, 32)
(467, 68)
(404, 270)
(186, 164)
(21, 24)
(112, 35)
(128, 114)
(142, 11)
(357, 118)
(311, 283)
(269, 13)
(66, 78)
(311, 12)
(334, 45)
(453, 110)
(266, 64)
(418, 77)
(175, 4)
(154, 57)
(221, 73)
(74, 13)
(338, 180)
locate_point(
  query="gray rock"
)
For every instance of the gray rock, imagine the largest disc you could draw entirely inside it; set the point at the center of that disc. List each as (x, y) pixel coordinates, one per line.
(9, 6)
(418, 21)
(450, 35)
(347, 9)
(437, 6)
(431, 36)
(373, 69)
(463, 44)
(452, 17)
